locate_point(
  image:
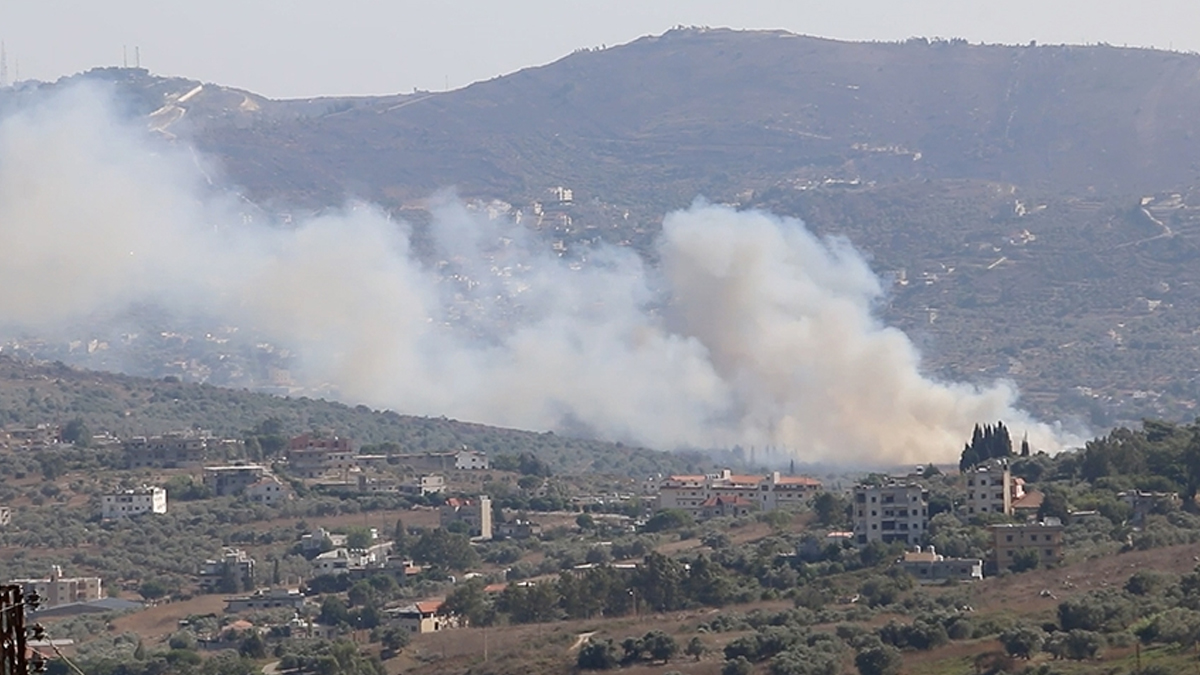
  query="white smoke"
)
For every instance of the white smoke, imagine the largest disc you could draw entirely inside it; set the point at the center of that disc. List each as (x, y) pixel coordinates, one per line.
(753, 331)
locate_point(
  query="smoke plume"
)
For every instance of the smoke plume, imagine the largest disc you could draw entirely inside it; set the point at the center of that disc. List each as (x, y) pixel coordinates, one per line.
(751, 331)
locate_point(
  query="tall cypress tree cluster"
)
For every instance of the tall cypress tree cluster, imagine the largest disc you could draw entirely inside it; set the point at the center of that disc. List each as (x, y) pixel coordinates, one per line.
(987, 442)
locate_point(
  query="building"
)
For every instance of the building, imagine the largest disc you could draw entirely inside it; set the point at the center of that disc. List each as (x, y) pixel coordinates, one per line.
(891, 512)
(476, 513)
(56, 590)
(321, 539)
(175, 449)
(423, 617)
(690, 492)
(132, 502)
(470, 460)
(232, 480)
(518, 529)
(1142, 504)
(991, 488)
(722, 506)
(267, 490)
(37, 437)
(1009, 542)
(926, 566)
(786, 492)
(312, 456)
(353, 561)
(369, 484)
(425, 485)
(275, 598)
(232, 571)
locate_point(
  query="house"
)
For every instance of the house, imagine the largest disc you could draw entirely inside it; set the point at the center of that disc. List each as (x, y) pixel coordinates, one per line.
(786, 492)
(232, 480)
(1009, 541)
(275, 598)
(267, 490)
(1028, 506)
(1144, 503)
(723, 506)
(926, 566)
(370, 484)
(476, 513)
(321, 539)
(518, 529)
(470, 460)
(132, 502)
(235, 568)
(431, 484)
(423, 617)
(991, 488)
(353, 561)
(312, 456)
(895, 511)
(56, 589)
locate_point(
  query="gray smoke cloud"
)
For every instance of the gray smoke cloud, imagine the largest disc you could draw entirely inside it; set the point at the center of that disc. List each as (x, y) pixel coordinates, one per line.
(752, 330)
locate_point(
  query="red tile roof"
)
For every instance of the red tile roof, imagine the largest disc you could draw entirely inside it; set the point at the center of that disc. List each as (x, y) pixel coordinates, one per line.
(429, 606)
(724, 500)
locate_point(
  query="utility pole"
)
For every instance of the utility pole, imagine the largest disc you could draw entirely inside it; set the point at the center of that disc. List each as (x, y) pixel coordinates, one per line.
(14, 659)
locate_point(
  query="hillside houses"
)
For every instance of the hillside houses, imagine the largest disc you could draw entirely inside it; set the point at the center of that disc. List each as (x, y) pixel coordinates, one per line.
(475, 513)
(132, 502)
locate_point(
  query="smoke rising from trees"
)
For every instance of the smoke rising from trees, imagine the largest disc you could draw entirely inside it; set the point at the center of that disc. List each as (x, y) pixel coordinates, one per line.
(751, 331)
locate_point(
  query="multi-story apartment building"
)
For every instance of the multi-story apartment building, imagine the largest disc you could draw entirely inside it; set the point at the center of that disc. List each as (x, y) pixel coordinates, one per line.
(312, 456)
(126, 503)
(58, 590)
(431, 484)
(891, 512)
(1044, 538)
(175, 449)
(991, 488)
(476, 513)
(786, 492)
(691, 492)
(235, 569)
(267, 490)
(232, 480)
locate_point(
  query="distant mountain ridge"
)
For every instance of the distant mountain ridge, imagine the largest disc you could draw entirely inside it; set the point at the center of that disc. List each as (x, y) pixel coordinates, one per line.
(1002, 190)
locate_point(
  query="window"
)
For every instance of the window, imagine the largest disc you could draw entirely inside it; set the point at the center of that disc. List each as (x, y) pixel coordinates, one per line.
(1008, 538)
(983, 481)
(1010, 554)
(1049, 553)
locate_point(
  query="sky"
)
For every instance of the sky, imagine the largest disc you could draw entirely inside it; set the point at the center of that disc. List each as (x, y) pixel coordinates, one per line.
(302, 48)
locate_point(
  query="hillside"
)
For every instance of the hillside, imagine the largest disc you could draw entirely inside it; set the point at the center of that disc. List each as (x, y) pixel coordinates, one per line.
(127, 406)
(995, 185)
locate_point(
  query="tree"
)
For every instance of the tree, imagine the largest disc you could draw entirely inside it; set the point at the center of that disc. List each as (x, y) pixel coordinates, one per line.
(1025, 560)
(333, 612)
(585, 521)
(394, 640)
(695, 647)
(445, 549)
(878, 659)
(77, 433)
(738, 666)
(359, 537)
(467, 600)
(598, 656)
(660, 646)
(152, 589)
(253, 647)
(832, 509)
(1023, 641)
(668, 519)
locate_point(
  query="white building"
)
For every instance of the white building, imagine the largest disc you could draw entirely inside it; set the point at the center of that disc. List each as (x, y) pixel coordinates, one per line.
(991, 488)
(927, 566)
(891, 512)
(786, 492)
(425, 485)
(470, 460)
(268, 490)
(126, 503)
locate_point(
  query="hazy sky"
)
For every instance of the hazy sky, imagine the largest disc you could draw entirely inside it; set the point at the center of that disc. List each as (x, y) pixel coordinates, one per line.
(293, 48)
